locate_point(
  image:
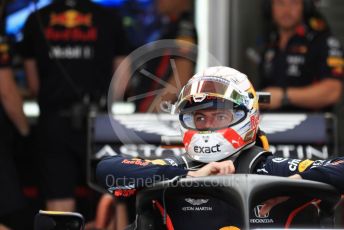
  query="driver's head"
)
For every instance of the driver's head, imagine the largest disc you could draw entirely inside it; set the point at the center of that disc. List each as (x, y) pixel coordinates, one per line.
(218, 113)
(287, 14)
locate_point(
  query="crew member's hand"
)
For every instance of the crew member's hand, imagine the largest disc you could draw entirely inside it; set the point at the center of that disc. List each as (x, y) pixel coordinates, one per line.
(214, 168)
(276, 97)
(24, 130)
(3, 227)
(269, 204)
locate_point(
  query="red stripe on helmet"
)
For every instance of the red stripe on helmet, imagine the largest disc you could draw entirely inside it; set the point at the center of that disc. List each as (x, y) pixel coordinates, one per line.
(233, 137)
(187, 138)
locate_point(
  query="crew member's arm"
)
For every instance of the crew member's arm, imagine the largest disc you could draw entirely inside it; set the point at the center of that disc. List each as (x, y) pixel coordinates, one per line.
(120, 82)
(31, 29)
(316, 96)
(327, 171)
(12, 102)
(32, 76)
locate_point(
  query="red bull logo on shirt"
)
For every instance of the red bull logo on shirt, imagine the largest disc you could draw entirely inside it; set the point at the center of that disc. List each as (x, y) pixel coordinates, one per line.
(76, 27)
(71, 19)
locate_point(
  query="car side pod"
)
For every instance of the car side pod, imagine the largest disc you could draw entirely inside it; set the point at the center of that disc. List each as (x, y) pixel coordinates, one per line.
(243, 191)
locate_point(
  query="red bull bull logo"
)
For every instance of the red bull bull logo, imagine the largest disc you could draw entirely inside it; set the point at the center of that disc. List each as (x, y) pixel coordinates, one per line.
(76, 27)
(71, 19)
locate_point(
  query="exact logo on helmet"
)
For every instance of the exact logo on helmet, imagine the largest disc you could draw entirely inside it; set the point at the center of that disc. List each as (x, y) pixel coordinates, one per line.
(207, 149)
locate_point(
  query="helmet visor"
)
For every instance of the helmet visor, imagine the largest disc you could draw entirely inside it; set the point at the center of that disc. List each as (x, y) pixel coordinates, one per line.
(212, 115)
(198, 89)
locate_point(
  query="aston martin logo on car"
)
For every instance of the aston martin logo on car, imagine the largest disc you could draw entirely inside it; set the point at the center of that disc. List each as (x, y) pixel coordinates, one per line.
(196, 201)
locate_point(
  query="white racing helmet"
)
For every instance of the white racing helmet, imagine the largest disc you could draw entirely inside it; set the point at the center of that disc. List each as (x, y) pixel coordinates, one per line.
(218, 113)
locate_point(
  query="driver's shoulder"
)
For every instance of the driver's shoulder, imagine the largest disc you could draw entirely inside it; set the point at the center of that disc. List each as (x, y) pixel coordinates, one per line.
(249, 159)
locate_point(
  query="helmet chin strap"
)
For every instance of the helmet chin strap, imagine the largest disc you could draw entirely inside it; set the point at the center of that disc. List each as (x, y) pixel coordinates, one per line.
(235, 155)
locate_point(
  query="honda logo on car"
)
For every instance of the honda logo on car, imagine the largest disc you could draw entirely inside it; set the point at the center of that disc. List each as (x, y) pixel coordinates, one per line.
(260, 219)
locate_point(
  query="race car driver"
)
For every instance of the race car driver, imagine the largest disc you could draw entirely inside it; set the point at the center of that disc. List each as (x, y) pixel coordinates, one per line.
(219, 117)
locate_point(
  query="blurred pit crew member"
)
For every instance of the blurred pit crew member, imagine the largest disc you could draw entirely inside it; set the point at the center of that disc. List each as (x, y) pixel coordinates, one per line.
(302, 62)
(12, 118)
